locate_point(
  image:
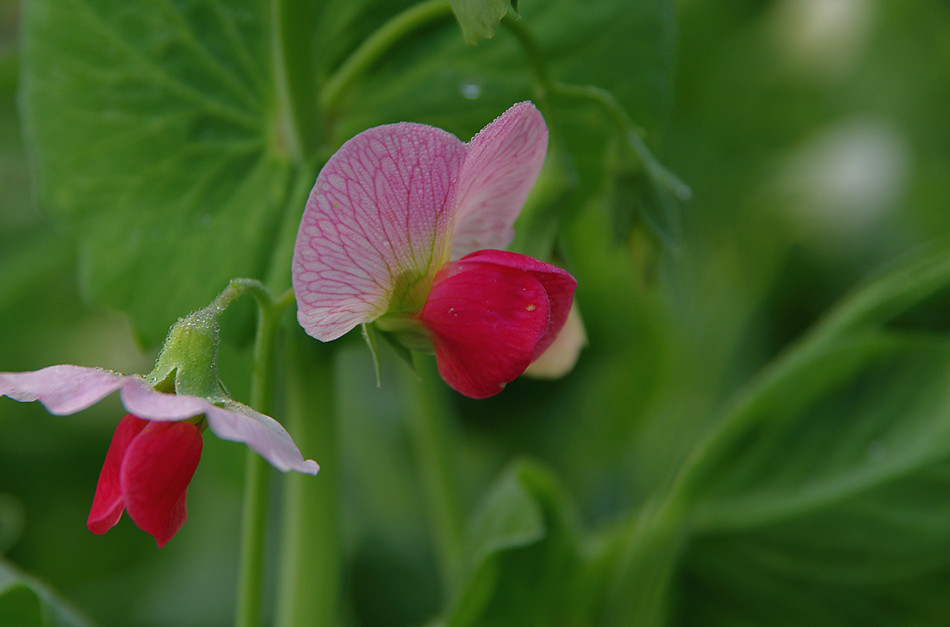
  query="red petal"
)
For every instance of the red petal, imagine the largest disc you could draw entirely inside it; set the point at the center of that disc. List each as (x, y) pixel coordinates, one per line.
(487, 320)
(155, 474)
(107, 504)
(558, 284)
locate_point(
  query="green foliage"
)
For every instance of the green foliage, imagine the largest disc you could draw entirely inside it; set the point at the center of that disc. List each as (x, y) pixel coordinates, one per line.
(26, 603)
(479, 18)
(732, 448)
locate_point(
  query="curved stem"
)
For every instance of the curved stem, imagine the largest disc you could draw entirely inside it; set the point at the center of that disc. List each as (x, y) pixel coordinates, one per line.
(604, 99)
(431, 436)
(377, 44)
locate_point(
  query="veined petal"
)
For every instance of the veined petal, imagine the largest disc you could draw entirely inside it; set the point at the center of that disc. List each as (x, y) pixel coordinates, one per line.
(558, 284)
(155, 473)
(61, 389)
(376, 222)
(503, 162)
(108, 503)
(240, 423)
(486, 321)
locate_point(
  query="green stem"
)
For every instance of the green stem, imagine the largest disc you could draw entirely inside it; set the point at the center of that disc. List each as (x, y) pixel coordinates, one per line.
(250, 582)
(309, 576)
(291, 30)
(432, 437)
(377, 44)
(604, 99)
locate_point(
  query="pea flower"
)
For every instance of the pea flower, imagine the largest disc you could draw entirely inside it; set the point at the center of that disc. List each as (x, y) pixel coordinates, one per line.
(156, 447)
(403, 229)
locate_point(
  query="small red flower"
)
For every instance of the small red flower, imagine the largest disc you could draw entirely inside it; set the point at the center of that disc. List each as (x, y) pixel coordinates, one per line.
(146, 472)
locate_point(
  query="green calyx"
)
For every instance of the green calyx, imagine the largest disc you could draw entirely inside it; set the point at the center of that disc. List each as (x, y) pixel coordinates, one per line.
(188, 362)
(407, 330)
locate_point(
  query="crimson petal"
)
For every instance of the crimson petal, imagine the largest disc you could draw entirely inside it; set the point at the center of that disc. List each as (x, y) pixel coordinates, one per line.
(486, 321)
(155, 474)
(107, 504)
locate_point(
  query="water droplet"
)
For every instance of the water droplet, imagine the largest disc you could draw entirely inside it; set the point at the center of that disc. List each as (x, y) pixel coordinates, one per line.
(470, 90)
(531, 307)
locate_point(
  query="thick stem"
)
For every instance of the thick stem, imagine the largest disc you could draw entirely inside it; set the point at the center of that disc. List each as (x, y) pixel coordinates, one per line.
(291, 29)
(309, 576)
(430, 430)
(250, 583)
(377, 44)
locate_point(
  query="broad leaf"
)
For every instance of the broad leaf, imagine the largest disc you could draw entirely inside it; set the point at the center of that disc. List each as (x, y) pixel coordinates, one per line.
(521, 555)
(816, 502)
(155, 134)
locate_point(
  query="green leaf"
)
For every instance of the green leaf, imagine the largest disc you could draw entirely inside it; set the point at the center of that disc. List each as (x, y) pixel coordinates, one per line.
(25, 602)
(155, 134)
(479, 18)
(460, 88)
(521, 555)
(815, 498)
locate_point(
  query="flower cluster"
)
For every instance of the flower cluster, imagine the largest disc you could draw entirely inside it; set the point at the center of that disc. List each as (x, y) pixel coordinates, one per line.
(403, 228)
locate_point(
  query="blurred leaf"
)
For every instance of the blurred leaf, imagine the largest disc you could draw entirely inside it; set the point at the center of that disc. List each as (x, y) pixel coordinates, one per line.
(479, 18)
(521, 553)
(460, 88)
(168, 160)
(25, 602)
(821, 482)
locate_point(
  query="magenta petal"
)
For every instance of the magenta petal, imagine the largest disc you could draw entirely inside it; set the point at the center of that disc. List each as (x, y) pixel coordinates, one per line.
(108, 503)
(377, 218)
(155, 473)
(503, 162)
(558, 284)
(486, 321)
(62, 389)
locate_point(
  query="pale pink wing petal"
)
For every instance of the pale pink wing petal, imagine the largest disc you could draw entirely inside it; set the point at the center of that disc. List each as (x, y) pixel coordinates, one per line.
(139, 398)
(154, 476)
(503, 162)
(377, 218)
(62, 389)
(263, 434)
(486, 321)
(558, 284)
(109, 502)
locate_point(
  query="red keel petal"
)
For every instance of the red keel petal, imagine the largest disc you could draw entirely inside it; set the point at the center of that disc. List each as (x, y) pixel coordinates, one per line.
(558, 284)
(155, 474)
(486, 320)
(107, 504)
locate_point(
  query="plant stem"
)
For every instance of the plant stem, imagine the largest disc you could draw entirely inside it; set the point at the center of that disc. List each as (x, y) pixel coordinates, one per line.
(250, 583)
(309, 576)
(378, 44)
(291, 30)
(432, 439)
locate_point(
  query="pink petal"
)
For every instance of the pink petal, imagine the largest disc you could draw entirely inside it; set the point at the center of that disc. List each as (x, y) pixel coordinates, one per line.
(63, 389)
(240, 423)
(68, 389)
(107, 504)
(155, 473)
(486, 321)
(377, 218)
(558, 284)
(503, 162)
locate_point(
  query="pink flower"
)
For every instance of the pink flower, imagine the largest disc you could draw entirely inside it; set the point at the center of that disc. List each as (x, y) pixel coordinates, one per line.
(156, 448)
(401, 229)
